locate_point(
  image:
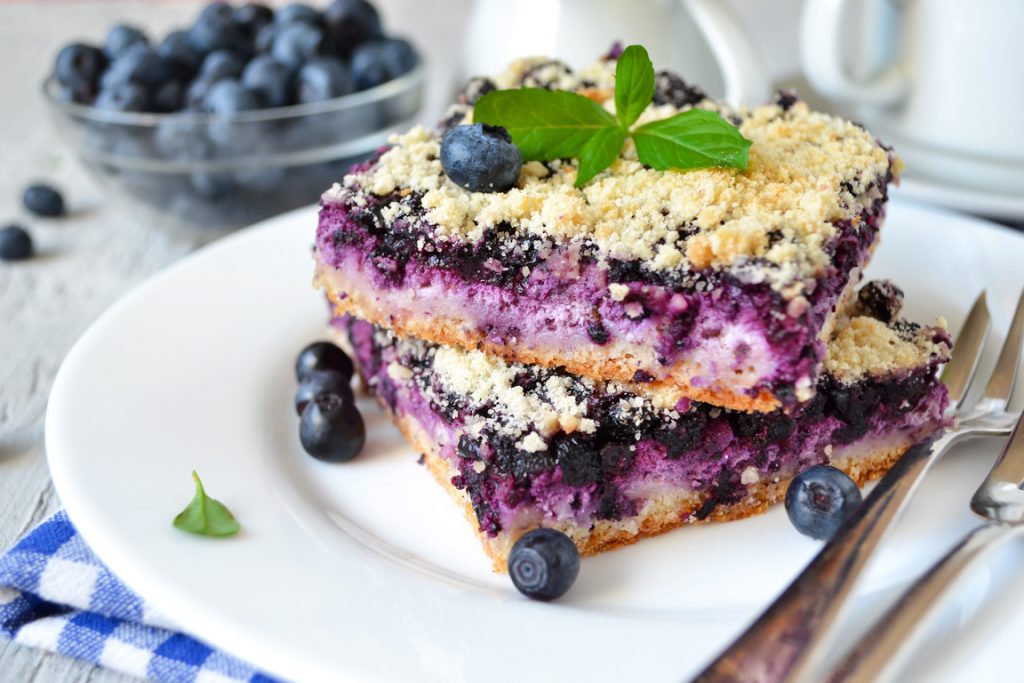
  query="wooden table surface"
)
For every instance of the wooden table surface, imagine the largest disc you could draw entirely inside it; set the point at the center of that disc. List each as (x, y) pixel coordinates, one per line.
(90, 258)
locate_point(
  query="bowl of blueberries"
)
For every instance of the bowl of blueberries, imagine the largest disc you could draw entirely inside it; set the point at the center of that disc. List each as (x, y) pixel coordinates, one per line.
(247, 113)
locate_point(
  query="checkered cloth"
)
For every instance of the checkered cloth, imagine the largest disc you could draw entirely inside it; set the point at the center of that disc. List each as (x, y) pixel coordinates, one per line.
(56, 595)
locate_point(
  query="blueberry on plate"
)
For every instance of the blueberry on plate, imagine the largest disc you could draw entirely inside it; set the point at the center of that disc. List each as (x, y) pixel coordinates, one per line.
(352, 23)
(43, 200)
(15, 243)
(332, 429)
(543, 564)
(481, 158)
(321, 78)
(269, 79)
(121, 38)
(322, 382)
(323, 356)
(295, 43)
(79, 66)
(819, 500)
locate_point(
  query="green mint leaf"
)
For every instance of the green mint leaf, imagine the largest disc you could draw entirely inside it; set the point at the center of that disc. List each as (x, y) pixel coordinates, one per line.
(599, 153)
(544, 124)
(634, 84)
(696, 138)
(206, 516)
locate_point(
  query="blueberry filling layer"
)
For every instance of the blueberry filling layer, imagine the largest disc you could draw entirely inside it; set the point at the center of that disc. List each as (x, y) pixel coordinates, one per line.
(530, 445)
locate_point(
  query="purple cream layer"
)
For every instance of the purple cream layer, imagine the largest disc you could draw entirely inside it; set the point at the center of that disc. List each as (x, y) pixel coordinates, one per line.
(629, 459)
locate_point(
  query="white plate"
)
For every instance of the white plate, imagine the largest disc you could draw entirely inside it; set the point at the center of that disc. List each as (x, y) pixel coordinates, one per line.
(1001, 206)
(367, 571)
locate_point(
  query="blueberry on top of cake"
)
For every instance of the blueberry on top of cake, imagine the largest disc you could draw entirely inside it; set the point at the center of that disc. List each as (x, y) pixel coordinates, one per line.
(606, 462)
(713, 284)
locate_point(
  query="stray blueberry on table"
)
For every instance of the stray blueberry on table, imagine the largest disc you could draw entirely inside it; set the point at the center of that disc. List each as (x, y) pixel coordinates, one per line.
(320, 79)
(332, 429)
(43, 200)
(819, 500)
(323, 356)
(320, 382)
(121, 38)
(544, 564)
(481, 158)
(15, 243)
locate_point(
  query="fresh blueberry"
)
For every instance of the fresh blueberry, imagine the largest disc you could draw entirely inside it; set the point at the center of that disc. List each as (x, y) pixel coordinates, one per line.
(269, 79)
(298, 12)
(138, 64)
(212, 186)
(481, 158)
(400, 55)
(217, 31)
(15, 243)
(121, 38)
(79, 66)
(228, 96)
(332, 429)
(543, 564)
(122, 97)
(221, 64)
(371, 66)
(322, 382)
(322, 78)
(296, 43)
(819, 499)
(216, 11)
(263, 43)
(43, 200)
(352, 23)
(168, 97)
(252, 17)
(175, 47)
(323, 356)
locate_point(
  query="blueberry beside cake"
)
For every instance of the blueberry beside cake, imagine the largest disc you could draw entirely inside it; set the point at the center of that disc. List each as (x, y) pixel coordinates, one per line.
(615, 349)
(525, 446)
(718, 285)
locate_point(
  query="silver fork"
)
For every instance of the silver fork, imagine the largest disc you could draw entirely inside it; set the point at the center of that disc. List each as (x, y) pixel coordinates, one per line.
(1000, 500)
(791, 636)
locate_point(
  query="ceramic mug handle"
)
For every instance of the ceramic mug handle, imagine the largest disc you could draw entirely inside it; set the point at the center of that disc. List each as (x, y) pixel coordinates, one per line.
(744, 79)
(821, 28)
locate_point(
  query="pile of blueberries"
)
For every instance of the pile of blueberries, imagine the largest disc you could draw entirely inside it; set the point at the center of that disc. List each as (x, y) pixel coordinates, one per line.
(236, 59)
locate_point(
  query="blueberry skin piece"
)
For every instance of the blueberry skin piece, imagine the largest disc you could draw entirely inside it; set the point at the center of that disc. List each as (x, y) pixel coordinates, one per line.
(332, 429)
(43, 200)
(352, 23)
(121, 38)
(481, 158)
(78, 66)
(295, 43)
(15, 244)
(819, 500)
(322, 78)
(270, 80)
(322, 382)
(543, 564)
(323, 355)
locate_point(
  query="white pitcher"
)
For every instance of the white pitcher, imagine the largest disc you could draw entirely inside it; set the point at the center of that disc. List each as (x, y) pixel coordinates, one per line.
(690, 37)
(941, 80)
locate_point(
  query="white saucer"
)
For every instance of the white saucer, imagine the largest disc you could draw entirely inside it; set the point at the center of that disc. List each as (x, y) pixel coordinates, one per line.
(999, 206)
(367, 571)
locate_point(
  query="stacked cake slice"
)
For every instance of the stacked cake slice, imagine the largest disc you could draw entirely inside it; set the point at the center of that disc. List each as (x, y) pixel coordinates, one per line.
(652, 348)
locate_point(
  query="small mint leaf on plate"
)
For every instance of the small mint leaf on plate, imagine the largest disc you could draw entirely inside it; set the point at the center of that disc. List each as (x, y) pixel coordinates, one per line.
(206, 516)
(634, 84)
(544, 124)
(695, 138)
(599, 153)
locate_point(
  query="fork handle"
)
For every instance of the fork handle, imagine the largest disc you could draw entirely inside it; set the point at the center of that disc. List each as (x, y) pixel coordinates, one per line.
(791, 634)
(877, 655)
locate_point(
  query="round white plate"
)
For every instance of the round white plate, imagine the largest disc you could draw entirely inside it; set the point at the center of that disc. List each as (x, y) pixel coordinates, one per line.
(1001, 206)
(367, 571)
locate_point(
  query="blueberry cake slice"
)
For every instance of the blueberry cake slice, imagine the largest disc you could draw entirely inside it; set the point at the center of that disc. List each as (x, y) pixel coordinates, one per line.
(523, 446)
(720, 286)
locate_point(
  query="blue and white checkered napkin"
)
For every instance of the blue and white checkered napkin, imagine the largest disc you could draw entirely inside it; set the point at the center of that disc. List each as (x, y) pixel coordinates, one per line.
(56, 595)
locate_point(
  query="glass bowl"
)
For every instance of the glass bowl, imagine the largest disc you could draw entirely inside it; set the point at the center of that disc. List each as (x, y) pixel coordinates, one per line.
(203, 175)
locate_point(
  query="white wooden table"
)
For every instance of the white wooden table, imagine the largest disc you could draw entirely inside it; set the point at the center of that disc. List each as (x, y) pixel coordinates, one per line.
(90, 258)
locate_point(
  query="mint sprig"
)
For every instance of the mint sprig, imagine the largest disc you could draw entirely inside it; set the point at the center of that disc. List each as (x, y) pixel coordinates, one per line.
(555, 124)
(206, 516)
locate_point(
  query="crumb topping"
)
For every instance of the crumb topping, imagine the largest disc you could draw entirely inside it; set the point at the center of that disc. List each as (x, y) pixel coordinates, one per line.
(807, 171)
(868, 347)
